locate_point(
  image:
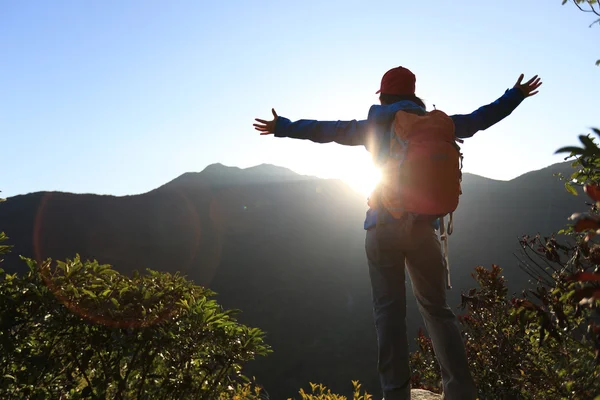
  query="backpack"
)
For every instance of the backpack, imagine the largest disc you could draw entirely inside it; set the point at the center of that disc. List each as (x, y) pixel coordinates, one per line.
(422, 171)
(421, 175)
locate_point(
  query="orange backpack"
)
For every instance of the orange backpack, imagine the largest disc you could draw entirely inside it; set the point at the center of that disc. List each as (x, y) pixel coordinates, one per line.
(422, 173)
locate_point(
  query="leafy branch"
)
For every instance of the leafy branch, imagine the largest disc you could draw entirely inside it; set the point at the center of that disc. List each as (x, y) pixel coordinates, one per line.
(592, 4)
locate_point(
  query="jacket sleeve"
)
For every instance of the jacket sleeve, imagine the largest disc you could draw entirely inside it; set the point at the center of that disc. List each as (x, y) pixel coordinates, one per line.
(349, 133)
(468, 124)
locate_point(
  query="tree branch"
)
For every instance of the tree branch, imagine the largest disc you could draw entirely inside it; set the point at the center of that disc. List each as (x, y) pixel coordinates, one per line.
(145, 370)
(527, 269)
(85, 377)
(130, 367)
(592, 9)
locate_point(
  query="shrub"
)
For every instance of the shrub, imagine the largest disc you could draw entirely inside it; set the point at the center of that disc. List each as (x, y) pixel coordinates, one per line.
(75, 329)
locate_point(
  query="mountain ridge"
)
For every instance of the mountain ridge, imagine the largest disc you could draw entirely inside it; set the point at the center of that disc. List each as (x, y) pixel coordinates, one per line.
(270, 173)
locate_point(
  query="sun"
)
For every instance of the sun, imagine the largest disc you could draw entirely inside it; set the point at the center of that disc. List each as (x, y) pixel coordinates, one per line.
(362, 177)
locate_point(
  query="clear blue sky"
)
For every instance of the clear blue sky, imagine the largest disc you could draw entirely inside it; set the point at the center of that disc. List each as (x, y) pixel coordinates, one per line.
(119, 97)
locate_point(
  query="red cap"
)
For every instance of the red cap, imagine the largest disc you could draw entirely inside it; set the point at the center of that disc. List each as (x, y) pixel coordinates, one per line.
(398, 81)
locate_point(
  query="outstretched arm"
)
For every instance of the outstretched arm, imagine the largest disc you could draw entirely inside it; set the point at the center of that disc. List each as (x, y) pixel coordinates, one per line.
(349, 133)
(467, 125)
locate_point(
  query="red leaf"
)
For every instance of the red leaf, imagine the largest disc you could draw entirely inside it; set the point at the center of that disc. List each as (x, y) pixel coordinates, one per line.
(520, 303)
(585, 277)
(590, 295)
(593, 191)
(584, 222)
(585, 293)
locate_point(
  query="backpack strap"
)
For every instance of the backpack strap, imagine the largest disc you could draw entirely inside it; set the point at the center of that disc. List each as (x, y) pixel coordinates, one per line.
(444, 239)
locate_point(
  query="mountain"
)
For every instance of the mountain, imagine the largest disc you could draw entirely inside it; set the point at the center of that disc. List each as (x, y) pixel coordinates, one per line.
(221, 176)
(286, 249)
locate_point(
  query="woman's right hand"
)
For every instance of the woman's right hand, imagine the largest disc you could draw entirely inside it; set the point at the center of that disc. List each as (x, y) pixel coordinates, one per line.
(266, 127)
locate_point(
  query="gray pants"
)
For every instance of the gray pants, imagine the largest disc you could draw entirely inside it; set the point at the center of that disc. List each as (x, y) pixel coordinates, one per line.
(415, 246)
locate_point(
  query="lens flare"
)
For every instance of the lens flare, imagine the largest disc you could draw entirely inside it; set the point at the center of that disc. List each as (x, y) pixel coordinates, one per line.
(159, 231)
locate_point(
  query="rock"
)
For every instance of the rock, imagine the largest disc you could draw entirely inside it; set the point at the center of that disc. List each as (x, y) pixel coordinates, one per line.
(420, 394)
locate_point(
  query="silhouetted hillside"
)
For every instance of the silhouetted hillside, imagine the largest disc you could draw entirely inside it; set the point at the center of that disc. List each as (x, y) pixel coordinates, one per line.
(286, 249)
(219, 175)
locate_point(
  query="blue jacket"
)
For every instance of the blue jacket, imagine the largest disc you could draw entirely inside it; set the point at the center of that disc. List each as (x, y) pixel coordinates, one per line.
(372, 131)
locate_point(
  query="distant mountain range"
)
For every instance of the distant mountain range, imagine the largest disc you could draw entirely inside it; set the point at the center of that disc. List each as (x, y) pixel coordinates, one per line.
(286, 249)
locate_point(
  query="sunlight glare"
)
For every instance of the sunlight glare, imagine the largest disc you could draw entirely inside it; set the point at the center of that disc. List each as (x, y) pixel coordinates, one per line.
(362, 177)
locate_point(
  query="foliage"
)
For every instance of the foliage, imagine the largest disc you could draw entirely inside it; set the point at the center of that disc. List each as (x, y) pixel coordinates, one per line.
(81, 330)
(517, 349)
(4, 248)
(588, 6)
(243, 391)
(321, 392)
(426, 374)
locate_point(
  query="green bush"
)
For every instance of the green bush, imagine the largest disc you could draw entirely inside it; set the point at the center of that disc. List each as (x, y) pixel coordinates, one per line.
(321, 392)
(75, 330)
(515, 347)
